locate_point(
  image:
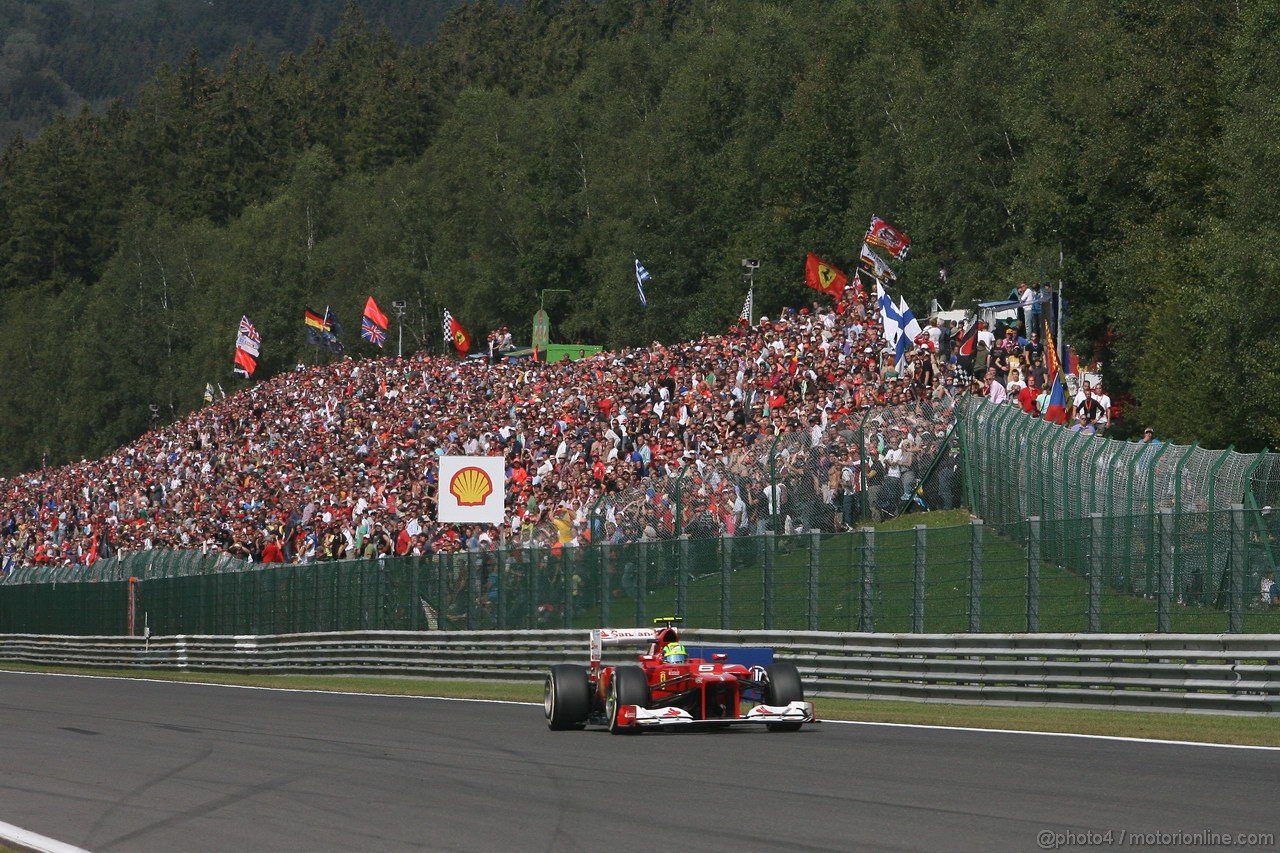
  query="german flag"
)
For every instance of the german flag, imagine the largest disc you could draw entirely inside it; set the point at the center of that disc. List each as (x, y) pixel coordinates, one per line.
(316, 321)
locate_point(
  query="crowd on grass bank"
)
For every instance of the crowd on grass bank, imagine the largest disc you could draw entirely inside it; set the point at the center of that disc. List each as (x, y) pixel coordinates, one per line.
(339, 461)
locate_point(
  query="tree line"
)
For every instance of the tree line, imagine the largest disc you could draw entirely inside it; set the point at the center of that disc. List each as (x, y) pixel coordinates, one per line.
(548, 144)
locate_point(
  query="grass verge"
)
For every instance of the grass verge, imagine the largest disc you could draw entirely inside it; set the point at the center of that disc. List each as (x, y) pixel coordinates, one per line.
(1254, 730)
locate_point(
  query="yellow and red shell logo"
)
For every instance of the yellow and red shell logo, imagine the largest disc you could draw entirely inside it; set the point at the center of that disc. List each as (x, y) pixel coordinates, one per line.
(471, 486)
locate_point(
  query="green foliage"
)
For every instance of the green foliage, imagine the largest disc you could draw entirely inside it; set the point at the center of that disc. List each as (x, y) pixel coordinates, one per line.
(543, 145)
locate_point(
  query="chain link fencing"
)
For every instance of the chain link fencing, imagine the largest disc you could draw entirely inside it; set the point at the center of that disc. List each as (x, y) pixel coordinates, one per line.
(1081, 533)
(965, 578)
(873, 465)
(1114, 496)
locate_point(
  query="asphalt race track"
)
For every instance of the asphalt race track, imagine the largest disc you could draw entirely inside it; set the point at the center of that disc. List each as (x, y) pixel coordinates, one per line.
(118, 765)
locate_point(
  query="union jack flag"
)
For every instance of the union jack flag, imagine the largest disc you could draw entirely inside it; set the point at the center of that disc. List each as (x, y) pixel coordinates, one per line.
(371, 332)
(247, 348)
(248, 339)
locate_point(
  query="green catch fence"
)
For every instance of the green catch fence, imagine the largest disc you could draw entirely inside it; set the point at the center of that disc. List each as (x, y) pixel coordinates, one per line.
(1079, 533)
(965, 578)
(789, 483)
(1128, 506)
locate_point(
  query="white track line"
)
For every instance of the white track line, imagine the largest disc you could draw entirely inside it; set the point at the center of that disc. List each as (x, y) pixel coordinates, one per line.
(1055, 734)
(30, 840)
(538, 704)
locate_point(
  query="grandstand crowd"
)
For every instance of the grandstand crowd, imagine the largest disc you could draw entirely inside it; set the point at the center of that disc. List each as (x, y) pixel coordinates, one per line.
(765, 426)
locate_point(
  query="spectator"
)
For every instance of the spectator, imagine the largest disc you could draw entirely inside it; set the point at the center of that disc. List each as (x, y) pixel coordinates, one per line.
(271, 552)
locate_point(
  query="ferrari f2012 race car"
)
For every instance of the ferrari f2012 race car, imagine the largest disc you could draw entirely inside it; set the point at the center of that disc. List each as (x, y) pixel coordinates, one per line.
(668, 689)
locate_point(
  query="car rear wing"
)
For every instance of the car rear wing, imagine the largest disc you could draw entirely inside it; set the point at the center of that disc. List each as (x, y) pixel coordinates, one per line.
(601, 637)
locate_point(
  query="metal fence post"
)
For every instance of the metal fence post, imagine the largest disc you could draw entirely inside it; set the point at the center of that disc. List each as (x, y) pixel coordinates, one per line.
(864, 507)
(815, 566)
(866, 612)
(917, 592)
(682, 576)
(975, 576)
(642, 586)
(1033, 574)
(606, 582)
(1236, 559)
(968, 452)
(1212, 580)
(775, 511)
(770, 559)
(1095, 572)
(1164, 571)
(566, 575)
(726, 574)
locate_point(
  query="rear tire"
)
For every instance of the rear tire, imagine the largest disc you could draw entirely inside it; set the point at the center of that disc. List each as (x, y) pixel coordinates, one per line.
(782, 687)
(630, 686)
(566, 699)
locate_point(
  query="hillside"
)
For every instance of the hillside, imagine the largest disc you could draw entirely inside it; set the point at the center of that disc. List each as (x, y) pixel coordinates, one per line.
(62, 56)
(527, 157)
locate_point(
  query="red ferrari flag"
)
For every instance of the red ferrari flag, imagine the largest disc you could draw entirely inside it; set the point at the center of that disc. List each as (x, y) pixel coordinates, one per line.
(371, 311)
(820, 275)
(883, 235)
(454, 332)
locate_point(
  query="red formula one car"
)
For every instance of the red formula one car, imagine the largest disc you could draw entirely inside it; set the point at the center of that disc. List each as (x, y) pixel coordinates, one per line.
(671, 690)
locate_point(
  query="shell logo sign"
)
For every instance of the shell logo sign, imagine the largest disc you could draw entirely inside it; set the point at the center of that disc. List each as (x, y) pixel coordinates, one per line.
(471, 486)
(472, 489)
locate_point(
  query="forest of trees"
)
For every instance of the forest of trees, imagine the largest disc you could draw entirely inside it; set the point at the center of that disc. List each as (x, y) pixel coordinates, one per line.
(66, 55)
(547, 144)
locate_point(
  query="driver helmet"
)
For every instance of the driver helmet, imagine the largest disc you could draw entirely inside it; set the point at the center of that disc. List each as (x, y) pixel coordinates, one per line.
(674, 653)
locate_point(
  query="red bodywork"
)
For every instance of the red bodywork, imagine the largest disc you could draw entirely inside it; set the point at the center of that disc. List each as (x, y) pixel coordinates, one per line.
(706, 689)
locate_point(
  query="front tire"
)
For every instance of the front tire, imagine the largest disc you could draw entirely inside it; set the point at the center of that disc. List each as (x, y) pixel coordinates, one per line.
(630, 686)
(782, 687)
(566, 698)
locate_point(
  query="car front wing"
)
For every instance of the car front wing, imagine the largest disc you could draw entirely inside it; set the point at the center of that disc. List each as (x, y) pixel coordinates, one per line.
(639, 717)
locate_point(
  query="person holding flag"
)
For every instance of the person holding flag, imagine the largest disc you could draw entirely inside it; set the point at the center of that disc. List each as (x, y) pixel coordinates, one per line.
(910, 330)
(890, 318)
(1055, 399)
(247, 346)
(822, 276)
(323, 330)
(642, 275)
(454, 332)
(882, 235)
(374, 324)
(748, 308)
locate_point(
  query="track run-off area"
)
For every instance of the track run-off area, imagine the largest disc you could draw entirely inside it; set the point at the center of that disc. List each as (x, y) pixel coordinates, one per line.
(109, 764)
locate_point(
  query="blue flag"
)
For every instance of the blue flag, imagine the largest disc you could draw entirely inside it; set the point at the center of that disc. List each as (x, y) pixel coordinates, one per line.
(642, 275)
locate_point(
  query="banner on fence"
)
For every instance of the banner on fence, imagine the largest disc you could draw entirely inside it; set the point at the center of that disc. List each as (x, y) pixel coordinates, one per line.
(472, 489)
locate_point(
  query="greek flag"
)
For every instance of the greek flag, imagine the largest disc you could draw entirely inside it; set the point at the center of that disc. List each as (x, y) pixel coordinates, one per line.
(642, 275)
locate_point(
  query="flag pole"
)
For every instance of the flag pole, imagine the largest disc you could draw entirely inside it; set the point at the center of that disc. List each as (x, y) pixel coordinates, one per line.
(1061, 341)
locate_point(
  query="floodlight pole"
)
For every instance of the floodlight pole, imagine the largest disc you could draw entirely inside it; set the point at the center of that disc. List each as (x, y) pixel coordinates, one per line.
(398, 307)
